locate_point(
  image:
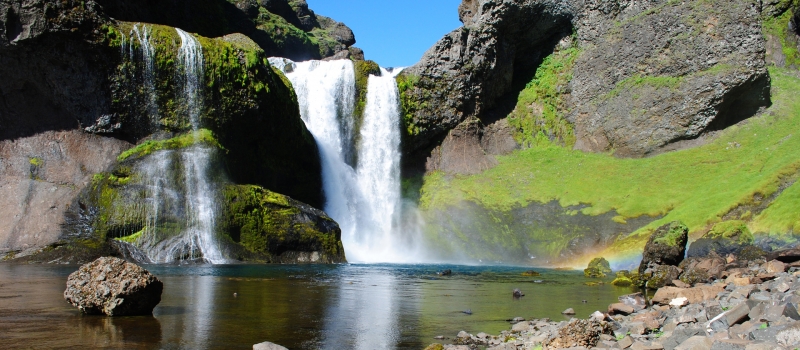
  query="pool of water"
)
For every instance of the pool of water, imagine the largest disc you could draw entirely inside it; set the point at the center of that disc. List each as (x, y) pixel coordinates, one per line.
(348, 306)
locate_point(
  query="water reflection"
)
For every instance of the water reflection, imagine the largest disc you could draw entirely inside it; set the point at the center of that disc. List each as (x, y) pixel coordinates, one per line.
(300, 307)
(363, 314)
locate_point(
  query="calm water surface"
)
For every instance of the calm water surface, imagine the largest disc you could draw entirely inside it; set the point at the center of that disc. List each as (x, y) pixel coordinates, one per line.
(301, 307)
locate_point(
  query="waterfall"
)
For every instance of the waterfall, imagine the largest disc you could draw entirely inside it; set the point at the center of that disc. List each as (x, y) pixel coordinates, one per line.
(180, 197)
(364, 198)
(148, 76)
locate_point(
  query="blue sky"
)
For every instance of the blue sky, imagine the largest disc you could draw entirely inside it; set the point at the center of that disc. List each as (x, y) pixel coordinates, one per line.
(394, 33)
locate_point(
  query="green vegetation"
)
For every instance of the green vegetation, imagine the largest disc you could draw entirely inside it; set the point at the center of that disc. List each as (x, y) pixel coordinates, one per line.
(778, 28)
(408, 104)
(598, 268)
(539, 114)
(36, 161)
(735, 230)
(696, 186)
(622, 281)
(132, 239)
(673, 235)
(261, 220)
(203, 136)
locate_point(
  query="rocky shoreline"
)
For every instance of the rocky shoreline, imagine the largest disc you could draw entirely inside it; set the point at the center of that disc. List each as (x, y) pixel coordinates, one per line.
(750, 305)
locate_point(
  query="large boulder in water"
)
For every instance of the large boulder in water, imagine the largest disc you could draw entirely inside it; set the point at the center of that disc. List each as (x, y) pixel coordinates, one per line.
(113, 287)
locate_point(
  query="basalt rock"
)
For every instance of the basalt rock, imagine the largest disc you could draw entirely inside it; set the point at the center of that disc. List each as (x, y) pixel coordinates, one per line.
(727, 237)
(666, 246)
(648, 74)
(280, 27)
(113, 287)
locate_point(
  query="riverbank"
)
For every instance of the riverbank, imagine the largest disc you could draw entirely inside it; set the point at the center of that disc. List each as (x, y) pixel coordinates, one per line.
(753, 305)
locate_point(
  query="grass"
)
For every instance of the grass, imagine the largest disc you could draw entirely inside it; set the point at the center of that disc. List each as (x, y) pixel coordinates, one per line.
(538, 115)
(182, 141)
(696, 186)
(779, 28)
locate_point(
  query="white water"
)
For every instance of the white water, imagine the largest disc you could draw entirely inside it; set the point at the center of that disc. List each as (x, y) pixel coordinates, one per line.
(365, 200)
(191, 200)
(142, 35)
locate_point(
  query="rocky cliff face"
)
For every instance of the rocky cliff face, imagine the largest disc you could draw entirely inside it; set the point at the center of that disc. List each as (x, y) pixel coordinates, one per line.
(77, 90)
(648, 74)
(283, 28)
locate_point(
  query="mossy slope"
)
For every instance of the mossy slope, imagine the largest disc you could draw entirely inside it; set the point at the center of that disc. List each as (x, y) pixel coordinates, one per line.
(744, 164)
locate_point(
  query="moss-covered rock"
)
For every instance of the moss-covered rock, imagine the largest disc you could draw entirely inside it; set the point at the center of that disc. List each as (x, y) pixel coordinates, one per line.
(659, 276)
(275, 228)
(598, 268)
(666, 246)
(622, 281)
(727, 237)
(250, 107)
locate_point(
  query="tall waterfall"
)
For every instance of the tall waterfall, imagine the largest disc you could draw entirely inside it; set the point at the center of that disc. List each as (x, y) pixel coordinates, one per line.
(178, 185)
(365, 198)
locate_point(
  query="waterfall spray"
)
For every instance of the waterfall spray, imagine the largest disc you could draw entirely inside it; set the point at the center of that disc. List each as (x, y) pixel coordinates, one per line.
(365, 200)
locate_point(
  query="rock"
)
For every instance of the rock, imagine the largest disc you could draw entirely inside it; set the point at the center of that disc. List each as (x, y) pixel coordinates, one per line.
(530, 273)
(579, 333)
(737, 314)
(462, 335)
(635, 300)
(620, 309)
(698, 342)
(598, 316)
(657, 276)
(520, 327)
(113, 287)
(727, 237)
(680, 284)
(517, 293)
(789, 336)
(447, 272)
(268, 346)
(598, 267)
(786, 255)
(694, 295)
(666, 246)
(774, 266)
(679, 302)
(729, 344)
(625, 342)
(569, 311)
(622, 281)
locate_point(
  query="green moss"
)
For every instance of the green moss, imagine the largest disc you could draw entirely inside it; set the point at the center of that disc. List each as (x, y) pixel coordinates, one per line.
(598, 267)
(132, 239)
(262, 221)
(539, 114)
(36, 161)
(697, 186)
(409, 105)
(363, 69)
(202, 136)
(735, 229)
(673, 235)
(778, 27)
(622, 281)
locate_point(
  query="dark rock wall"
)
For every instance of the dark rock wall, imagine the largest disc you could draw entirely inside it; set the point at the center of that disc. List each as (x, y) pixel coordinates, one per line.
(63, 79)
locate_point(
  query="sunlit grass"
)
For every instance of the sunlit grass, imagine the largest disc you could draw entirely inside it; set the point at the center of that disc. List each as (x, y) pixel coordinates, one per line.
(697, 186)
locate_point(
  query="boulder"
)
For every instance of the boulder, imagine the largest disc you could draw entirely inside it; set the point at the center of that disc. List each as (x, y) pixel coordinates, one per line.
(666, 246)
(268, 346)
(702, 269)
(620, 309)
(659, 276)
(727, 237)
(693, 295)
(598, 268)
(584, 333)
(113, 287)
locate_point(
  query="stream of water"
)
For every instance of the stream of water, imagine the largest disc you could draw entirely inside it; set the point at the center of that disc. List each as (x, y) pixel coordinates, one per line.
(360, 166)
(301, 307)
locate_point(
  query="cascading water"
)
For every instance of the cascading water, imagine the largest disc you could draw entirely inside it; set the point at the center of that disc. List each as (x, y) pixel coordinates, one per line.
(365, 200)
(180, 219)
(148, 76)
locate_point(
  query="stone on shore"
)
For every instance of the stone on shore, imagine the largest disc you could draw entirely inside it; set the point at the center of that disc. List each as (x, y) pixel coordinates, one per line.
(268, 346)
(569, 311)
(113, 287)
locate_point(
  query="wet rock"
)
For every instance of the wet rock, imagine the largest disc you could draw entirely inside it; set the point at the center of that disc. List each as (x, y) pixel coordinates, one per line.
(113, 287)
(517, 293)
(268, 346)
(666, 246)
(447, 272)
(569, 311)
(620, 309)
